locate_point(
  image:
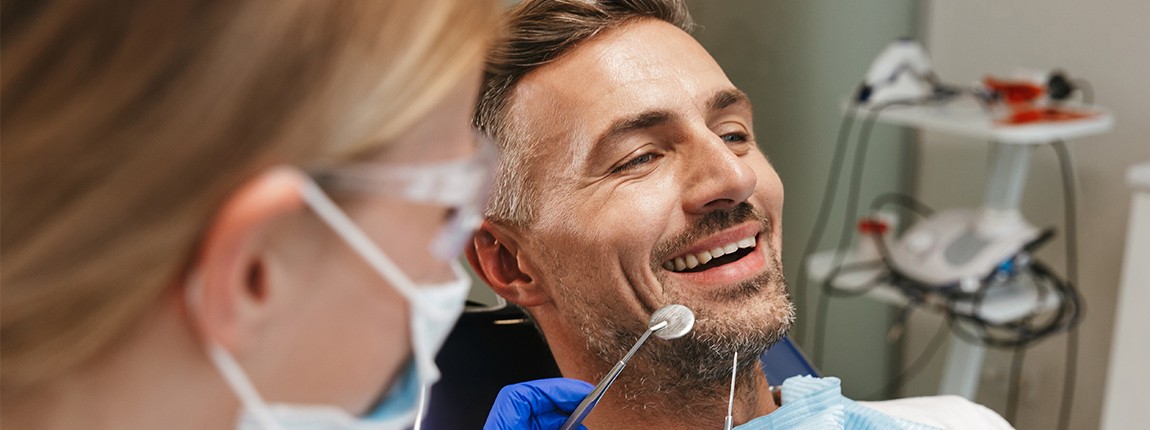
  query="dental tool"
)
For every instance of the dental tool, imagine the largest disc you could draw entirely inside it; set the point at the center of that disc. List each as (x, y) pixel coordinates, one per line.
(667, 323)
(731, 400)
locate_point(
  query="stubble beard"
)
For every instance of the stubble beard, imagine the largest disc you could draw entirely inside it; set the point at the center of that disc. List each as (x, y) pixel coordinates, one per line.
(683, 376)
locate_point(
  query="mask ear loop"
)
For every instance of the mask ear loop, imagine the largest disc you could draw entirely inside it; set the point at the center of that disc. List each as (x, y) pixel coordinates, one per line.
(355, 237)
(231, 370)
(327, 210)
(343, 226)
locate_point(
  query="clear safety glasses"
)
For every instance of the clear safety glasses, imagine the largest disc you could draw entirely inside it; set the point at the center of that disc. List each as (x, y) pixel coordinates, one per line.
(462, 185)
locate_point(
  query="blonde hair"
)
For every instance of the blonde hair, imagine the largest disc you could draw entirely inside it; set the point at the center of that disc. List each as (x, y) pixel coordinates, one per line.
(127, 122)
(537, 32)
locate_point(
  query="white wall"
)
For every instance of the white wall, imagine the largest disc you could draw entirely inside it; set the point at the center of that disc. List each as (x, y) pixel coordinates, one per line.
(1128, 384)
(1108, 43)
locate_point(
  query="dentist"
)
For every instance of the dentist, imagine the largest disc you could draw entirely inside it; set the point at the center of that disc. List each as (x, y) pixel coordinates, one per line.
(234, 214)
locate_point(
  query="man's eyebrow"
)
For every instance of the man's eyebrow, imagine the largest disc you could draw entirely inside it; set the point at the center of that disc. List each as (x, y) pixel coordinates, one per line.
(642, 120)
(652, 118)
(639, 121)
(726, 98)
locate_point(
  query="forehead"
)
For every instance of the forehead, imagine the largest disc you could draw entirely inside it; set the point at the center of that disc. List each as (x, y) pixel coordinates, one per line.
(642, 66)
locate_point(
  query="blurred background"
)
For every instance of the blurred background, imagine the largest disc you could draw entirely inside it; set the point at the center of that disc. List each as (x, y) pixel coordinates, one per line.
(799, 61)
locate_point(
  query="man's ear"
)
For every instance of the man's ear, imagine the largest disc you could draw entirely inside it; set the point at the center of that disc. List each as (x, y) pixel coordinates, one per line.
(229, 279)
(497, 257)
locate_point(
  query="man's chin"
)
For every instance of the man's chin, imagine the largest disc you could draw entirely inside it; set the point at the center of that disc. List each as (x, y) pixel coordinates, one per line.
(746, 318)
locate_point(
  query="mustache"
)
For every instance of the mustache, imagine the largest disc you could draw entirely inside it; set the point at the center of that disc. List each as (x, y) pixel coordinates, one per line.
(711, 223)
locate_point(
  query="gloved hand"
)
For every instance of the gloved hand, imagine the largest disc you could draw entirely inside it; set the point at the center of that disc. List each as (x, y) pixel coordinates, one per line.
(542, 404)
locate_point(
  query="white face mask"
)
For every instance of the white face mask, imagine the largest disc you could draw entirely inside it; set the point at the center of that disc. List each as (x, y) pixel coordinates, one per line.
(434, 311)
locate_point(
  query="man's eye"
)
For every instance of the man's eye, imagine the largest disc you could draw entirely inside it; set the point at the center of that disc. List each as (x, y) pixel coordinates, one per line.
(736, 137)
(636, 162)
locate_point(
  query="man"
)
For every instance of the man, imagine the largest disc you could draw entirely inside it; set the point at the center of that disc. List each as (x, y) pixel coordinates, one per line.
(631, 179)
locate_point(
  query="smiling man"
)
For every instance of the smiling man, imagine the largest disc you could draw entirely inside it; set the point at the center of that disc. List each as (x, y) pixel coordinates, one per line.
(631, 179)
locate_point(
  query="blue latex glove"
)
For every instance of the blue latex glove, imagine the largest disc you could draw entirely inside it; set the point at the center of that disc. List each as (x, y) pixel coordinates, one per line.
(542, 404)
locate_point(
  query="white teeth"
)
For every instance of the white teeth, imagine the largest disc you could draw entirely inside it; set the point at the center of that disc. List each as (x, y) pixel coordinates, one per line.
(691, 261)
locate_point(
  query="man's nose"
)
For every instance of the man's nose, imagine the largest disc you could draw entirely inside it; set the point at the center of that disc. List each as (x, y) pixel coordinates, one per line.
(718, 178)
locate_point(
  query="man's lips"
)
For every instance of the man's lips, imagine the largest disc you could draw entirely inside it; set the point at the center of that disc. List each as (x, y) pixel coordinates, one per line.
(716, 250)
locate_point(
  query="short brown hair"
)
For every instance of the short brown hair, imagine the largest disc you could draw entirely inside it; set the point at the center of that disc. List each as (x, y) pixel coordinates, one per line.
(536, 32)
(127, 122)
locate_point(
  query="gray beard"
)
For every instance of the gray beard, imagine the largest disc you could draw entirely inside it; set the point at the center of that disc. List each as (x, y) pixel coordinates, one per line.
(689, 374)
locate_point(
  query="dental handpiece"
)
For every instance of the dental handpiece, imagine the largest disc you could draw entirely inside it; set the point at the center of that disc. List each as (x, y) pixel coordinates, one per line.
(669, 322)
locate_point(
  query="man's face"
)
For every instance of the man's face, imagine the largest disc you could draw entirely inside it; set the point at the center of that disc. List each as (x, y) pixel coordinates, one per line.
(654, 192)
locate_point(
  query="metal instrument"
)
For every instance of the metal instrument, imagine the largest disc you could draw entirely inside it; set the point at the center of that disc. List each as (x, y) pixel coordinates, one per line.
(669, 322)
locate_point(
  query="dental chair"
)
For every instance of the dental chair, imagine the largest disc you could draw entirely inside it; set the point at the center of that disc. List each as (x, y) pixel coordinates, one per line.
(492, 347)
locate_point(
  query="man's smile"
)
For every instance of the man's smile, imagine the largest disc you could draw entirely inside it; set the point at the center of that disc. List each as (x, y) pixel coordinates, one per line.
(728, 256)
(717, 256)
